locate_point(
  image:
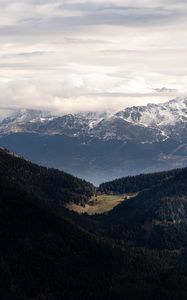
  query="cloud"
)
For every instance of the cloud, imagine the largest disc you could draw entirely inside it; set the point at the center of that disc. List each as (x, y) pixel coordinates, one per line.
(39, 17)
(77, 55)
(165, 90)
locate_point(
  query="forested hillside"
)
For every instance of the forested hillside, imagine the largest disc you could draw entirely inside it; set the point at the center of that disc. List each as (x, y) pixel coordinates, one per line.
(133, 184)
(157, 217)
(43, 257)
(49, 184)
(47, 252)
(46, 257)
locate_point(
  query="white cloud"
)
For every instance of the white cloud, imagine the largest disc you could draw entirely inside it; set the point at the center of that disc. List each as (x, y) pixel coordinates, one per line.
(81, 55)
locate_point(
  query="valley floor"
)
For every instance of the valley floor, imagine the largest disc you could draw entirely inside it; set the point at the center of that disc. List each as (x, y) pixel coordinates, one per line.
(100, 204)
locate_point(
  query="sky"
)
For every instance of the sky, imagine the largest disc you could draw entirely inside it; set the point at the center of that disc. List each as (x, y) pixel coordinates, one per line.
(75, 55)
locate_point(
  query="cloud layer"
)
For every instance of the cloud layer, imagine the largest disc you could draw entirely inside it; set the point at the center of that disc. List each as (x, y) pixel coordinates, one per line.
(73, 55)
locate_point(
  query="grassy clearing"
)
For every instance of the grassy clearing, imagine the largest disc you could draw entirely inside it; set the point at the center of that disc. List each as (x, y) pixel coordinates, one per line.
(99, 204)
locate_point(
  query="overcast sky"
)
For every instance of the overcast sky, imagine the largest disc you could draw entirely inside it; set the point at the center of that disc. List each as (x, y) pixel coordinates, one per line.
(73, 55)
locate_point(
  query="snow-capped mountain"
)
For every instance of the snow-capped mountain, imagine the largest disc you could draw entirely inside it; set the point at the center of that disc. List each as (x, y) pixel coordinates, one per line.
(145, 124)
(36, 121)
(157, 115)
(98, 146)
(20, 119)
(115, 128)
(169, 117)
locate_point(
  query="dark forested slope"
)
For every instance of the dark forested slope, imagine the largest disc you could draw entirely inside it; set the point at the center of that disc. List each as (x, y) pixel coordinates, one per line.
(43, 257)
(157, 217)
(46, 257)
(49, 184)
(133, 184)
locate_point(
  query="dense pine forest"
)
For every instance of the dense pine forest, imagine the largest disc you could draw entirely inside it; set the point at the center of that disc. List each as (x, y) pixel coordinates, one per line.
(156, 218)
(48, 184)
(137, 251)
(137, 183)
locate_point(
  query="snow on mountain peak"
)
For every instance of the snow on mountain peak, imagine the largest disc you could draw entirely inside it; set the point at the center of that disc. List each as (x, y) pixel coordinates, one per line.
(143, 123)
(157, 115)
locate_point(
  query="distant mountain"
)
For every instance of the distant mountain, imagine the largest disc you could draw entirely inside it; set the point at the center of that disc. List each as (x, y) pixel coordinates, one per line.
(18, 121)
(151, 123)
(99, 146)
(169, 117)
(157, 115)
(35, 121)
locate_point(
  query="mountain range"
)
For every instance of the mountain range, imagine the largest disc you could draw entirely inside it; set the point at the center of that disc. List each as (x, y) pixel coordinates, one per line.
(101, 146)
(159, 122)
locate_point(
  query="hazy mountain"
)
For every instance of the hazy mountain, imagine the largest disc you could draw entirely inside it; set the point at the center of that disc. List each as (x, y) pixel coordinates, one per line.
(151, 123)
(98, 146)
(18, 121)
(35, 121)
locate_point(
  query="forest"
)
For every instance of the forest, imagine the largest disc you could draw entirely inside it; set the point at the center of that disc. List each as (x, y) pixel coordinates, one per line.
(47, 252)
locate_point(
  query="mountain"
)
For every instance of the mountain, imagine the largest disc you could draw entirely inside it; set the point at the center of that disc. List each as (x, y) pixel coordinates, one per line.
(156, 217)
(46, 255)
(53, 185)
(99, 146)
(169, 117)
(18, 121)
(43, 256)
(151, 123)
(139, 183)
(36, 121)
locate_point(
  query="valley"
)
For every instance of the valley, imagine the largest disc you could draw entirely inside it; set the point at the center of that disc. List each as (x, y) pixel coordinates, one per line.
(93, 150)
(99, 204)
(130, 229)
(117, 247)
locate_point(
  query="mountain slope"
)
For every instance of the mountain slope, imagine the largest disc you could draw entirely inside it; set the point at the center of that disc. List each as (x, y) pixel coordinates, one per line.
(43, 257)
(157, 115)
(18, 121)
(169, 117)
(157, 217)
(46, 257)
(36, 121)
(99, 146)
(134, 184)
(150, 123)
(54, 185)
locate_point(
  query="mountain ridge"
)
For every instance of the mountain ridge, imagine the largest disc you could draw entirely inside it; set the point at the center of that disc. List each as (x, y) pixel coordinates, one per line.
(98, 146)
(156, 217)
(157, 121)
(54, 185)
